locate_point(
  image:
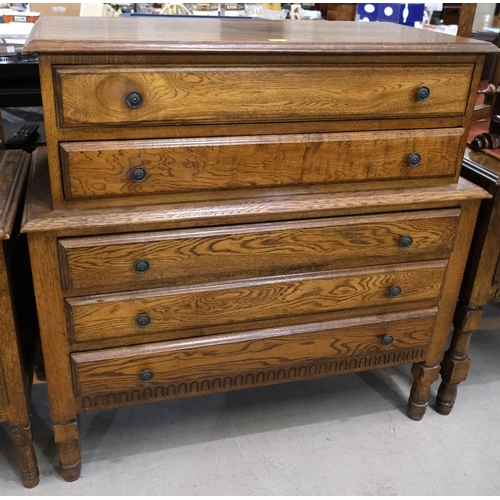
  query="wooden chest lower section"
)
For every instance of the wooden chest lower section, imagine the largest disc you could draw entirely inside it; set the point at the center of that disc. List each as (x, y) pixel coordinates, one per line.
(253, 250)
(115, 377)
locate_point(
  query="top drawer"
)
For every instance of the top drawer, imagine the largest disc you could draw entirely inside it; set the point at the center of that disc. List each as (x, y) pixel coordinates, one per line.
(110, 95)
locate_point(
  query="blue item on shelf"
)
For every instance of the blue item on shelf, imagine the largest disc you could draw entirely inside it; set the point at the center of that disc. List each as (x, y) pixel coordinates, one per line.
(400, 13)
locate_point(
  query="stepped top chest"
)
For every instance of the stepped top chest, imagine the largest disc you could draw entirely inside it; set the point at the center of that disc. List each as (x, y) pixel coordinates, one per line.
(233, 203)
(145, 110)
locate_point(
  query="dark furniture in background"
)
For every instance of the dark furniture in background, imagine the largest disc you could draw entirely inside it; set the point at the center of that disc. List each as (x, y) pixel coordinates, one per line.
(20, 88)
(481, 283)
(18, 326)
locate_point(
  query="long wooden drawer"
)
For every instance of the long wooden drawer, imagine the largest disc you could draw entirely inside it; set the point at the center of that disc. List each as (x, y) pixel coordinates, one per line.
(196, 366)
(117, 168)
(97, 95)
(254, 250)
(177, 312)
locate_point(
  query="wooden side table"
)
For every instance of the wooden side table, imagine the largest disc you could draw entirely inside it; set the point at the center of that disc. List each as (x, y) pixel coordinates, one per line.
(481, 282)
(18, 326)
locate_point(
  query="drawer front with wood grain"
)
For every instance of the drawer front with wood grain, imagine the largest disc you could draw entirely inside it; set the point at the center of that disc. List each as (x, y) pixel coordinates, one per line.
(119, 95)
(117, 168)
(136, 261)
(251, 358)
(177, 312)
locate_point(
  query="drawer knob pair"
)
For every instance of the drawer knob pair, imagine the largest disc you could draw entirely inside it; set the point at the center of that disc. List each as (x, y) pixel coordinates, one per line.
(423, 93)
(395, 291)
(146, 375)
(134, 100)
(414, 160)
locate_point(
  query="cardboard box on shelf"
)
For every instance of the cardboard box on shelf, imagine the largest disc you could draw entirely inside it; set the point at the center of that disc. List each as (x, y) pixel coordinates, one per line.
(57, 9)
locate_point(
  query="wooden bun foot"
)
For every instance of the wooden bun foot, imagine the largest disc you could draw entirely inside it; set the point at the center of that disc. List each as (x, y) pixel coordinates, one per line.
(416, 411)
(29, 466)
(69, 460)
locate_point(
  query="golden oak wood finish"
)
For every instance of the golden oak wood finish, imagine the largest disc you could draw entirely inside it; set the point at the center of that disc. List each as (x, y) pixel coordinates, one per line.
(122, 35)
(187, 256)
(52, 98)
(300, 203)
(197, 306)
(196, 362)
(17, 332)
(181, 165)
(277, 233)
(97, 95)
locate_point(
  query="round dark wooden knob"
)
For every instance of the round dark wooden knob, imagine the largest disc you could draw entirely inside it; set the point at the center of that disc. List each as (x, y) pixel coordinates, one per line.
(143, 320)
(395, 291)
(387, 340)
(138, 174)
(141, 266)
(146, 375)
(414, 159)
(134, 99)
(423, 93)
(406, 241)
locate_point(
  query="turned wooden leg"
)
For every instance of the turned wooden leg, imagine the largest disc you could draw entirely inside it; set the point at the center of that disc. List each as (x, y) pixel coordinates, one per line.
(423, 377)
(66, 437)
(28, 464)
(455, 365)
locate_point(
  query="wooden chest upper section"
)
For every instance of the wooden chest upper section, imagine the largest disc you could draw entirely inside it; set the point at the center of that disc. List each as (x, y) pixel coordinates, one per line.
(246, 104)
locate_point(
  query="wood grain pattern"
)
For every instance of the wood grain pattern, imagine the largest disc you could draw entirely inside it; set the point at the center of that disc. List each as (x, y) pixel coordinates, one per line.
(178, 165)
(466, 20)
(241, 354)
(193, 256)
(50, 122)
(51, 313)
(139, 36)
(255, 207)
(265, 376)
(164, 131)
(252, 252)
(173, 309)
(96, 95)
(469, 111)
(452, 281)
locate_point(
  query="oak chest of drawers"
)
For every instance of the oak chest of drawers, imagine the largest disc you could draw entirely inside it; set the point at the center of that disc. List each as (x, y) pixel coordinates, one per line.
(18, 330)
(225, 204)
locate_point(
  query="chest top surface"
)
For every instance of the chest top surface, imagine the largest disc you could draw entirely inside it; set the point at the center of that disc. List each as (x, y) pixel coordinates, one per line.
(158, 35)
(13, 170)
